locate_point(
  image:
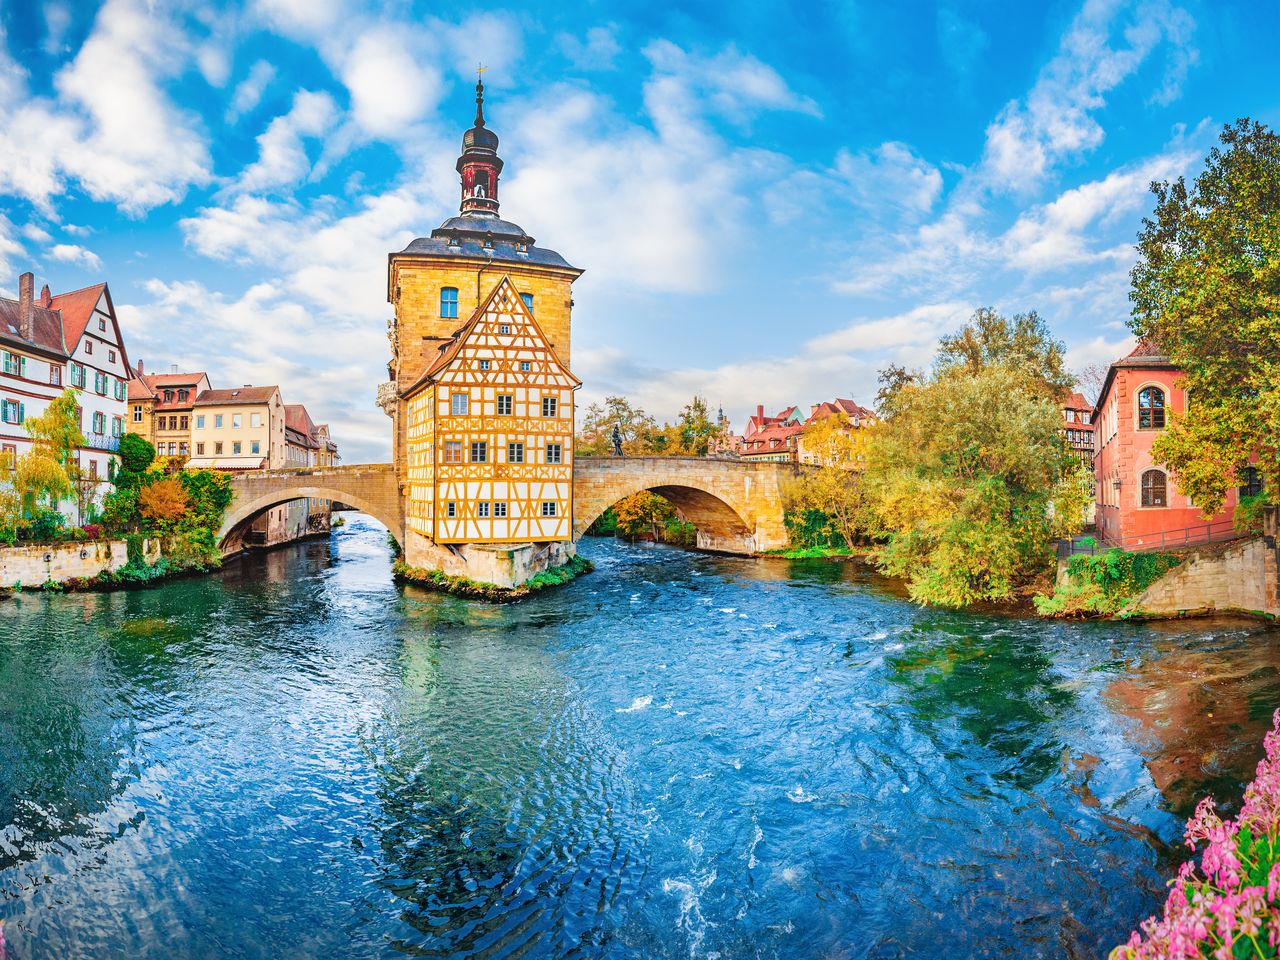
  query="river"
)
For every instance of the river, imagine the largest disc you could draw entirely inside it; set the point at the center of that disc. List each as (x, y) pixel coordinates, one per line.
(679, 755)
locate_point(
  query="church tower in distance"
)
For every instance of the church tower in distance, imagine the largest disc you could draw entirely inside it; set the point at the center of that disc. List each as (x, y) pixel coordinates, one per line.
(480, 393)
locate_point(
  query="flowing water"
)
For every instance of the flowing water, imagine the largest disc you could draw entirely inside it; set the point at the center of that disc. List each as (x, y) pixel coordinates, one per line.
(679, 755)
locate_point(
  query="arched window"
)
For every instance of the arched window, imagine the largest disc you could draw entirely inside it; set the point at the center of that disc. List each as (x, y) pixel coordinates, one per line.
(1252, 485)
(449, 302)
(1150, 408)
(1154, 489)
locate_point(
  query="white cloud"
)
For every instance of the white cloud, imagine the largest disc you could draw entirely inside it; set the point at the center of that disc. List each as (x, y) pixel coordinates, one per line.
(11, 251)
(1056, 120)
(736, 85)
(35, 232)
(111, 129)
(71, 253)
(889, 182)
(393, 84)
(282, 156)
(595, 51)
(249, 91)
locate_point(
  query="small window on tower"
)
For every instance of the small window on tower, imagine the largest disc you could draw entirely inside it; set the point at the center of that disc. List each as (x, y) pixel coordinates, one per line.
(504, 328)
(484, 364)
(449, 303)
(528, 300)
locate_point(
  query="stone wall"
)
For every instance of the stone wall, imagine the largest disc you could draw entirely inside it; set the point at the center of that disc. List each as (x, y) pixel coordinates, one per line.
(1237, 577)
(32, 565)
(504, 565)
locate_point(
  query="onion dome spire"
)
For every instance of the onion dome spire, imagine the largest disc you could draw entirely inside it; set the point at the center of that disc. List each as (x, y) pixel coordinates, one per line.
(479, 164)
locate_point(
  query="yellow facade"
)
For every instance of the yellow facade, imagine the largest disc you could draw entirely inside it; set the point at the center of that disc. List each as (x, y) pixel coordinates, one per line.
(489, 432)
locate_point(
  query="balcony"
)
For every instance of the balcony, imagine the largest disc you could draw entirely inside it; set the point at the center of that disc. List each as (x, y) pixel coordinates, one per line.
(100, 441)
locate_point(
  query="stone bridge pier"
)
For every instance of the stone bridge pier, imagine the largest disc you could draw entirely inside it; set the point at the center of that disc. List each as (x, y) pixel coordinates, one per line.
(736, 505)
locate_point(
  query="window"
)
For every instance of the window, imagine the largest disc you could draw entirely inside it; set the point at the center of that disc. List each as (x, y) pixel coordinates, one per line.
(505, 403)
(482, 509)
(548, 508)
(55, 375)
(183, 449)
(479, 452)
(137, 413)
(235, 446)
(15, 365)
(99, 422)
(255, 446)
(237, 421)
(173, 448)
(12, 411)
(184, 423)
(1154, 489)
(499, 510)
(183, 394)
(528, 300)
(102, 324)
(554, 453)
(515, 452)
(453, 451)
(88, 346)
(525, 366)
(1252, 485)
(200, 422)
(168, 396)
(117, 427)
(459, 403)
(93, 469)
(217, 421)
(484, 364)
(10, 456)
(549, 405)
(255, 419)
(199, 449)
(111, 356)
(122, 391)
(77, 375)
(1151, 409)
(100, 383)
(217, 448)
(504, 328)
(451, 509)
(449, 302)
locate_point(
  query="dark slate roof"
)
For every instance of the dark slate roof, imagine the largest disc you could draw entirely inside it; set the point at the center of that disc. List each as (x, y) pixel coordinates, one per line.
(465, 237)
(48, 332)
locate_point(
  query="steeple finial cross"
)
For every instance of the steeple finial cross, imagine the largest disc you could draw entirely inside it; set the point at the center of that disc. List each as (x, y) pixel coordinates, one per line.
(480, 68)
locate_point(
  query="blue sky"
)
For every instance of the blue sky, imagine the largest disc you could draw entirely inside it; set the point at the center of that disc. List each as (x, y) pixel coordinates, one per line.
(771, 201)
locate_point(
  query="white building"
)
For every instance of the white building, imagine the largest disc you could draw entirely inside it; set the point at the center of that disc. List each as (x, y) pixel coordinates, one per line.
(50, 343)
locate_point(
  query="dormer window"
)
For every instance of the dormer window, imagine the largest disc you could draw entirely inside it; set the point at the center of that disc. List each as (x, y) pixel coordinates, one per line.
(168, 396)
(182, 395)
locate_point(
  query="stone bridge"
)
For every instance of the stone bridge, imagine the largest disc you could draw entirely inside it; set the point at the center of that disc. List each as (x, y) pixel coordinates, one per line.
(736, 505)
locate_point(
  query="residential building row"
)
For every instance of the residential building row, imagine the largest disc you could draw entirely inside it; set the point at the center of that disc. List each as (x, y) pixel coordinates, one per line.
(239, 428)
(49, 343)
(781, 438)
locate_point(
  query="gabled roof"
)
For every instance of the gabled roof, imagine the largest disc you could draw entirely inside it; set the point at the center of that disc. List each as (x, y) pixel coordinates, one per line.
(48, 336)
(831, 408)
(237, 395)
(450, 348)
(1077, 402)
(140, 390)
(1145, 356)
(298, 421)
(77, 307)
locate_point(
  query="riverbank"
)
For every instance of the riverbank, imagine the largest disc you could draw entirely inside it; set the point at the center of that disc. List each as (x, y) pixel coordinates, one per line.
(478, 590)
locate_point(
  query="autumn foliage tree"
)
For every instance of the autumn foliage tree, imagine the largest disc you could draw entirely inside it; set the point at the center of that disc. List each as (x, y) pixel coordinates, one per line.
(164, 502)
(1206, 291)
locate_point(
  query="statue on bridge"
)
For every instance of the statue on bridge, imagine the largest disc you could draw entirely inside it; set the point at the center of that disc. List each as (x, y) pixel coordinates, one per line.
(615, 437)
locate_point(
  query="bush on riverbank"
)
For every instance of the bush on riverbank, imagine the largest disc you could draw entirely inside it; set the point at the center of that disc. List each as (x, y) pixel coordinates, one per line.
(645, 516)
(1104, 584)
(1227, 906)
(479, 590)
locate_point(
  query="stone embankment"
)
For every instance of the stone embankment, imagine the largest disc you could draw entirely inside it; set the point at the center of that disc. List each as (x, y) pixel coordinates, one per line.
(1241, 577)
(31, 565)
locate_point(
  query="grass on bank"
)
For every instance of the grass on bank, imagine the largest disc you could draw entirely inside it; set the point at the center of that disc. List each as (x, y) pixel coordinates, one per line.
(1104, 584)
(479, 590)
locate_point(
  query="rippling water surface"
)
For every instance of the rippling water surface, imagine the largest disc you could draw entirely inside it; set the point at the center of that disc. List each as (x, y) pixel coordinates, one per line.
(677, 756)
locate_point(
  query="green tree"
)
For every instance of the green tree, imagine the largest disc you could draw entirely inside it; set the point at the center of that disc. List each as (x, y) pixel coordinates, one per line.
(636, 426)
(1022, 343)
(970, 483)
(643, 512)
(695, 428)
(1206, 291)
(57, 431)
(136, 455)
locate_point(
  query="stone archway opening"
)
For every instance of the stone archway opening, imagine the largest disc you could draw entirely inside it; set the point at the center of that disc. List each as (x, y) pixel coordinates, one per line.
(238, 526)
(719, 526)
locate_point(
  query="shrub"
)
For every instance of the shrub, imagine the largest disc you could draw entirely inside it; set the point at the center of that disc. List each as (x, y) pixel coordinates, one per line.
(1103, 584)
(163, 502)
(136, 454)
(1229, 905)
(133, 548)
(92, 531)
(46, 526)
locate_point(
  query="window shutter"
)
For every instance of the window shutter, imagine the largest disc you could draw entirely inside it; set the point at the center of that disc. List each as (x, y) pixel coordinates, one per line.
(22, 412)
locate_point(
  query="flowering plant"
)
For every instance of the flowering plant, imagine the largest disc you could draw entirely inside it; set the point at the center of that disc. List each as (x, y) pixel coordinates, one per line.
(1229, 907)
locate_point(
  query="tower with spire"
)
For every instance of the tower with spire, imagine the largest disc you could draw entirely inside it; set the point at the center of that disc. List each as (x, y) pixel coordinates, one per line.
(479, 389)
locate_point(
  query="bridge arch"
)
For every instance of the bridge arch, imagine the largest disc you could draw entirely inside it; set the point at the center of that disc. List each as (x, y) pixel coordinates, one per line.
(736, 506)
(371, 489)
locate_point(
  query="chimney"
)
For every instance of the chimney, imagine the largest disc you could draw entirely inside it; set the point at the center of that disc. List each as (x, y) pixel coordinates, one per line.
(173, 368)
(46, 298)
(139, 368)
(26, 306)
(760, 412)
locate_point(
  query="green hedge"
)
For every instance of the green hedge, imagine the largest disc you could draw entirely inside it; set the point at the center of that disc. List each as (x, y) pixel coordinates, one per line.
(1103, 584)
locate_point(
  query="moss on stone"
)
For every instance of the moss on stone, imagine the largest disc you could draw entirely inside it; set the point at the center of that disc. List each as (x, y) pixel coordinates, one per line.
(479, 590)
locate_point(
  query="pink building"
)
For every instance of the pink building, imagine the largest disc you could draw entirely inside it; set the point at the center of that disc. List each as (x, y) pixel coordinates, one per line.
(1139, 506)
